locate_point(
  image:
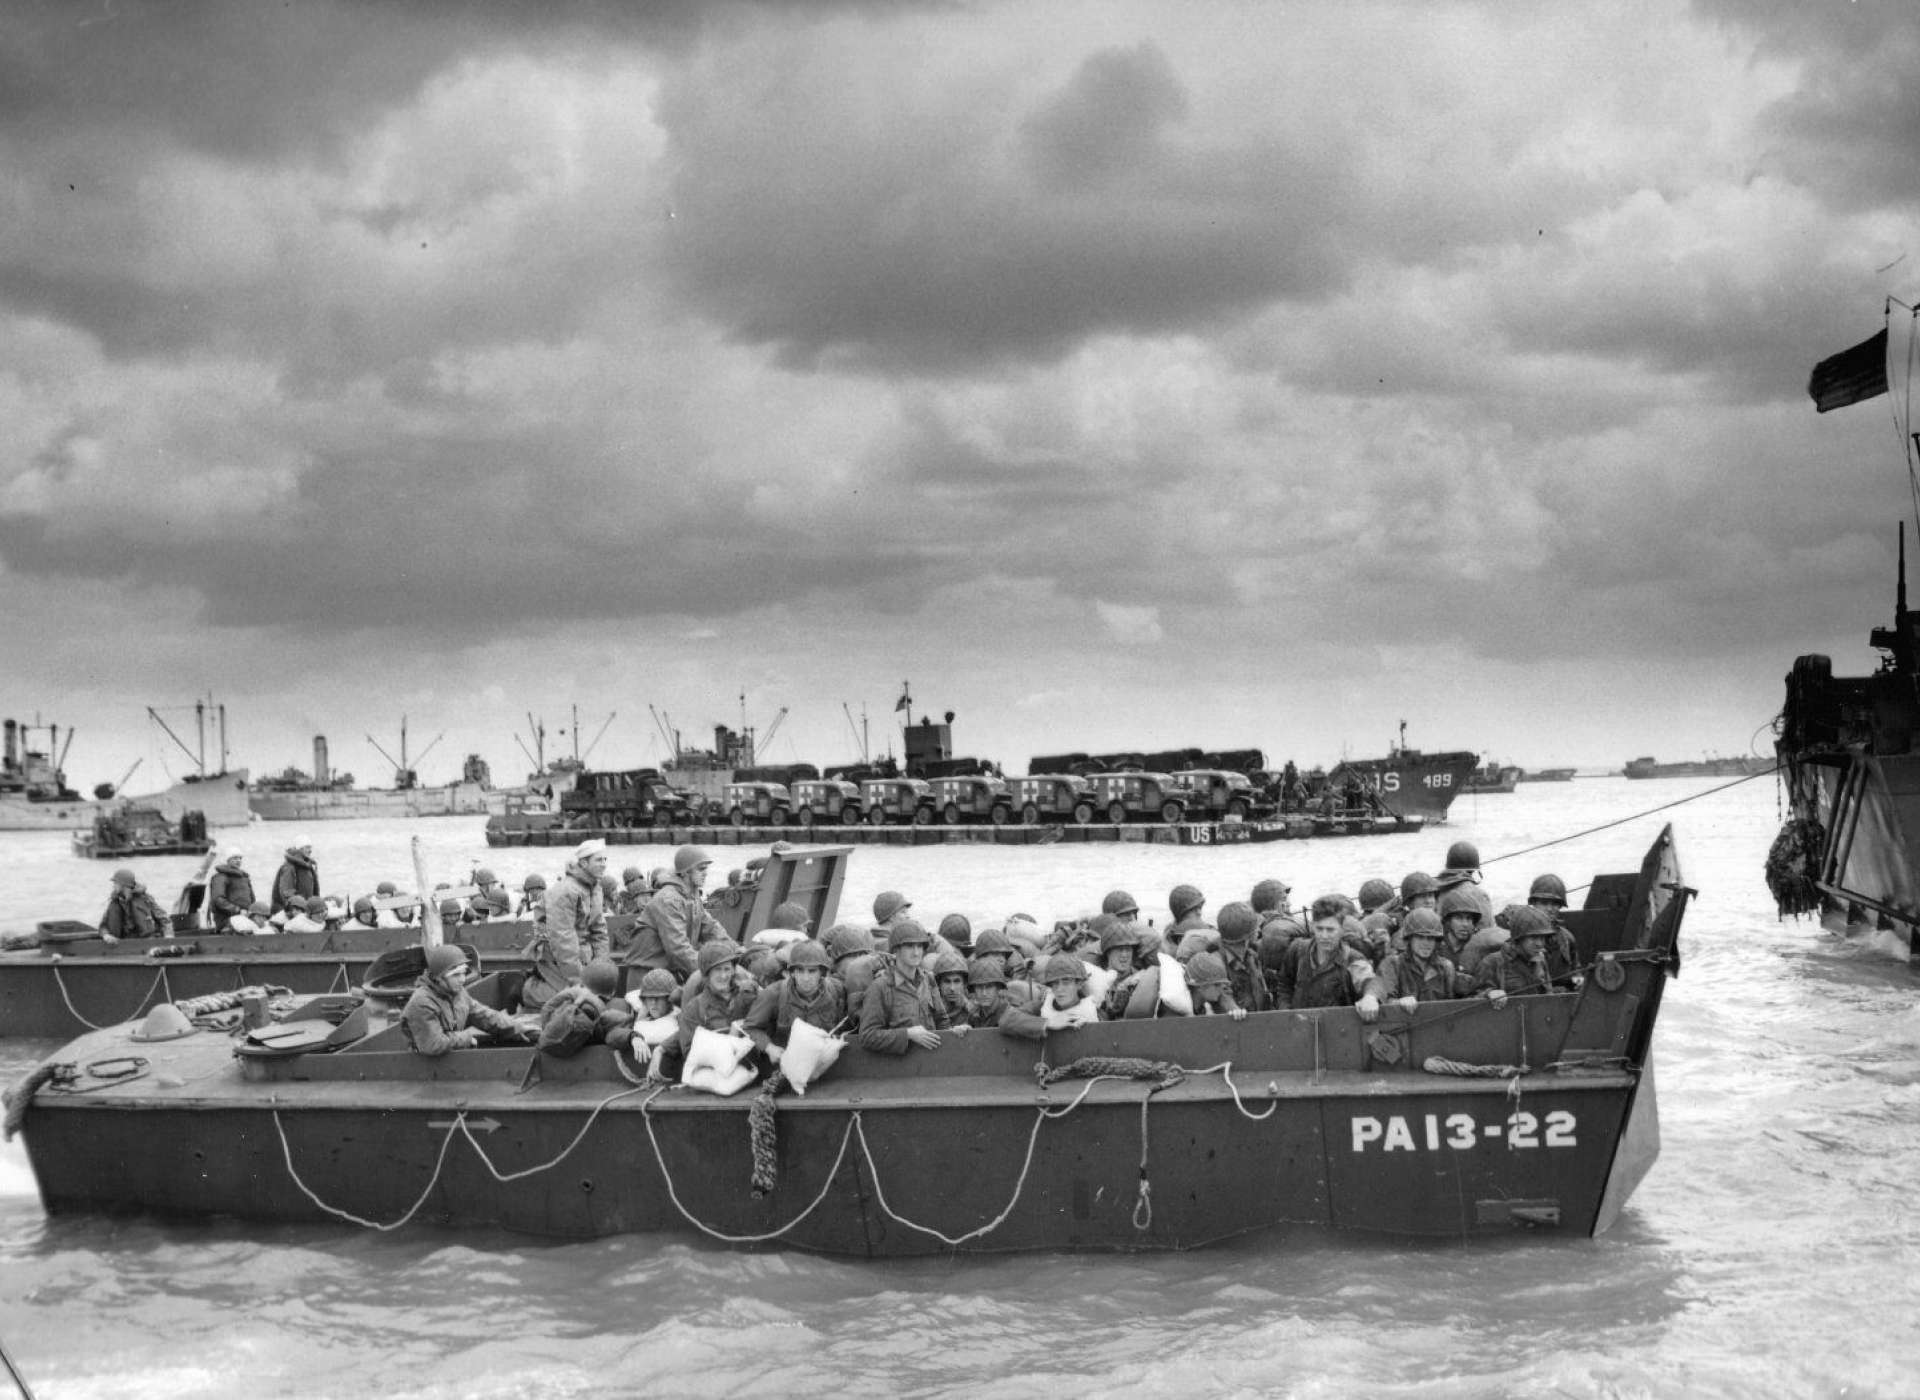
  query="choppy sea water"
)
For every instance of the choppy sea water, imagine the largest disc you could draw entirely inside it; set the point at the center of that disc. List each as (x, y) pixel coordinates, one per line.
(1774, 1249)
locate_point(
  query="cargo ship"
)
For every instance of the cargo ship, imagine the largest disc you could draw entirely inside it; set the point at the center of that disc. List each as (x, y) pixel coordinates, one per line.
(1647, 767)
(34, 795)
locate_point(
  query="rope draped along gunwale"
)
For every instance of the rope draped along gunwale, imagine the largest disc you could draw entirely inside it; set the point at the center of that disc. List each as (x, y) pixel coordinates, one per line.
(458, 1125)
(160, 983)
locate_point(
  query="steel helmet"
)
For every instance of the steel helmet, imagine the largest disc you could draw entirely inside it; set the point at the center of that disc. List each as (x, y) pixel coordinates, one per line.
(387, 887)
(907, 932)
(484, 877)
(991, 940)
(788, 915)
(717, 953)
(631, 875)
(687, 857)
(1373, 894)
(1421, 923)
(956, 929)
(1417, 883)
(363, 905)
(1524, 921)
(1236, 922)
(658, 983)
(1463, 855)
(1121, 903)
(600, 977)
(443, 958)
(1063, 967)
(1548, 887)
(985, 972)
(123, 876)
(949, 965)
(1184, 900)
(845, 940)
(534, 882)
(1459, 900)
(1269, 895)
(1119, 934)
(808, 953)
(888, 903)
(1206, 969)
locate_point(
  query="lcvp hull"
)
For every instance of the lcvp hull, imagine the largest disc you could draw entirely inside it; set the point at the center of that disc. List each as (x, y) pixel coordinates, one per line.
(1285, 1117)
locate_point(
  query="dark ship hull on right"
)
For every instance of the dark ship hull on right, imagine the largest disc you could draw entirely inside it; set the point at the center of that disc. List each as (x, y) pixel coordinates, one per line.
(1851, 844)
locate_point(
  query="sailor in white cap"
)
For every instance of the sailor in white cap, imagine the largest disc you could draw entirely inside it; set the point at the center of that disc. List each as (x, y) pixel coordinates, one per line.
(670, 930)
(573, 931)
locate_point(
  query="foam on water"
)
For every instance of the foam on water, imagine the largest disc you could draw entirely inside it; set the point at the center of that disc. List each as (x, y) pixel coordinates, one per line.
(1771, 1251)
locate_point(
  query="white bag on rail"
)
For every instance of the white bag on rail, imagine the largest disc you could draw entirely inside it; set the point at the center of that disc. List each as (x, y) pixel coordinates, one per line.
(713, 1063)
(810, 1053)
(1176, 997)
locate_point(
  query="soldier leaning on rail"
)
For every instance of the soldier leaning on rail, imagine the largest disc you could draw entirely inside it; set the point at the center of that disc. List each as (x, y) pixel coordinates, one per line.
(1321, 970)
(1419, 972)
(442, 1015)
(723, 999)
(1520, 967)
(807, 993)
(898, 1012)
(994, 1007)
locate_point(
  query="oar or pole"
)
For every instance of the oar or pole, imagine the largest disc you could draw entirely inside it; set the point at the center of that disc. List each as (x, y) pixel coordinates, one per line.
(431, 934)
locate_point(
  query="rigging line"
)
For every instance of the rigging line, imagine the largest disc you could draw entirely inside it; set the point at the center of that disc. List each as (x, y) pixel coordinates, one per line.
(1622, 821)
(14, 1371)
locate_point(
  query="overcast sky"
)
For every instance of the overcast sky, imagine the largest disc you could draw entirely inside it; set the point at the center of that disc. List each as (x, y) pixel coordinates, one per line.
(1123, 375)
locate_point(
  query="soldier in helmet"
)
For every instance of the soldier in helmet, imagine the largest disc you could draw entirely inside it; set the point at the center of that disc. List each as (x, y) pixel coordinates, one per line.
(889, 906)
(952, 1008)
(675, 924)
(131, 912)
(533, 898)
(1271, 900)
(992, 1006)
(655, 996)
(851, 959)
(1212, 990)
(1185, 902)
(442, 1015)
(1066, 1005)
(722, 1002)
(635, 891)
(1322, 970)
(1239, 954)
(1418, 971)
(1520, 967)
(493, 901)
(1460, 919)
(899, 1011)
(1548, 894)
(955, 934)
(1121, 905)
(1463, 871)
(807, 993)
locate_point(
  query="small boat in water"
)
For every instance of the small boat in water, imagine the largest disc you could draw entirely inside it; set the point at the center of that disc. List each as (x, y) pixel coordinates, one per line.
(1546, 775)
(1493, 778)
(1461, 1119)
(1710, 767)
(67, 979)
(139, 829)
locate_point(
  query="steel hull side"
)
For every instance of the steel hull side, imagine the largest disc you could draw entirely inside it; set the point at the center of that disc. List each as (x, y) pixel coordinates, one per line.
(853, 1177)
(457, 800)
(1870, 810)
(46, 1000)
(222, 800)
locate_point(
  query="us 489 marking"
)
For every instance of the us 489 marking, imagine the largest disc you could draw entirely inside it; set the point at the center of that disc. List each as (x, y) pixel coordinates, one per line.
(1460, 1131)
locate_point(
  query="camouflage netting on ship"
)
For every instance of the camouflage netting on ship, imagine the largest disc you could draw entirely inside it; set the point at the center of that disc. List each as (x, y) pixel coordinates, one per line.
(1791, 864)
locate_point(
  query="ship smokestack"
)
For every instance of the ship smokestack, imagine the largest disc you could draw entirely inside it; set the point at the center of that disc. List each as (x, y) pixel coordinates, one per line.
(320, 759)
(13, 746)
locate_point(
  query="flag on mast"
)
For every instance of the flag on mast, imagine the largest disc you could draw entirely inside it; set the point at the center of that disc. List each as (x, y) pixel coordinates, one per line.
(1852, 376)
(905, 701)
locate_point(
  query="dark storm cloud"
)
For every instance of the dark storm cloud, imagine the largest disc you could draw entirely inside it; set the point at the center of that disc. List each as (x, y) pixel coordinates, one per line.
(888, 239)
(1851, 127)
